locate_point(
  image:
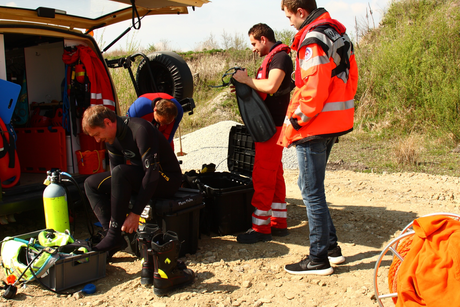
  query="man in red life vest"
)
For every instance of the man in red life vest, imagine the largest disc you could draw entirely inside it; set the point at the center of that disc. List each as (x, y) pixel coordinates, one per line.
(162, 110)
(273, 82)
(321, 109)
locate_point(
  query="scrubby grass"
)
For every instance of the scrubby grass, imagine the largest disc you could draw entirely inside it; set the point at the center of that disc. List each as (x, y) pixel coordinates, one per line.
(361, 151)
(408, 99)
(409, 71)
(125, 89)
(207, 67)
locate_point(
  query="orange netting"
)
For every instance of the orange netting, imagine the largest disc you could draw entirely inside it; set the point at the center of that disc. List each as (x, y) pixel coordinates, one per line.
(402, 249)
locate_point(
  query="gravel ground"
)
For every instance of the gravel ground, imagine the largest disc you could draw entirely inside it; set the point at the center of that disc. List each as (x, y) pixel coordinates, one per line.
(215, 150)
(369, 210)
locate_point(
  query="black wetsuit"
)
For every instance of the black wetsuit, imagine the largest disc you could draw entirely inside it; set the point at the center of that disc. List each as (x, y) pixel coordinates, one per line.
(142, 162)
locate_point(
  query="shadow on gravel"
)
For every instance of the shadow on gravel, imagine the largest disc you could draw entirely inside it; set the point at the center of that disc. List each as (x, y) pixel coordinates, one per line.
(369, 226)
(362, 261)
(363, 256)
(122, 257)
(363, 225)
(344, 268)
(223, 249)
(216, 287)
(114, 275)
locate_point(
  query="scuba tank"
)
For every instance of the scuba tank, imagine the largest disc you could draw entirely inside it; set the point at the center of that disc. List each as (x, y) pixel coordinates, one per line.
(55, 203)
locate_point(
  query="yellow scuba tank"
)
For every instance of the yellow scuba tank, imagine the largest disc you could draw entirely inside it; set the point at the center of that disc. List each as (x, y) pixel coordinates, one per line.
(55, 203)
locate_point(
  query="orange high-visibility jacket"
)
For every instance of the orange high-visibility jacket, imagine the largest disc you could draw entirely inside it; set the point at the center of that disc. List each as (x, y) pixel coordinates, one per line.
(326, 83)
(430, 272)
(101, 88)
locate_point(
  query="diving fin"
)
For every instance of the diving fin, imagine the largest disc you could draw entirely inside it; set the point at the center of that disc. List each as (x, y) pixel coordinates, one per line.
(254, 112)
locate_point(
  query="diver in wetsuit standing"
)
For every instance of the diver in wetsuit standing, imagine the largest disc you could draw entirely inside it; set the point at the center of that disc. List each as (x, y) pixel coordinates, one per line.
(141, 162)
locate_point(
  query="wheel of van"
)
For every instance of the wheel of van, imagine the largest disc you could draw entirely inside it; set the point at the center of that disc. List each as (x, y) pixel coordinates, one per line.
(170, 72)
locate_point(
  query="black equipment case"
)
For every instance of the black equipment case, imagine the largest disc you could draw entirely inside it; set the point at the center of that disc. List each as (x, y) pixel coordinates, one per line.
(228, 195)
(180, 214)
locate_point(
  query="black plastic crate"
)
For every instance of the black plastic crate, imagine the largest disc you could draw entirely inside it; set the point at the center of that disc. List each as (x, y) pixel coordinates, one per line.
(76, 270)
(241, 151)
(72, 271)
(180, 214)
(228, 195)
(228, 202)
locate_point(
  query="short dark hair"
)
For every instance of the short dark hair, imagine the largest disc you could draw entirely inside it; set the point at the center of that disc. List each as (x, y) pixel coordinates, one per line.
(94, 117)
(261, 29)
(166, 108)
(293, 5)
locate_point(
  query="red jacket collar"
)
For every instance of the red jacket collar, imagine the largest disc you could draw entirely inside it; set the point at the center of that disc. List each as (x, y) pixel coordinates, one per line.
(296, 43)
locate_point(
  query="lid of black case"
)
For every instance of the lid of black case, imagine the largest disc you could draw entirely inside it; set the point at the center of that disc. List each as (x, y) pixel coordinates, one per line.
(241, 151)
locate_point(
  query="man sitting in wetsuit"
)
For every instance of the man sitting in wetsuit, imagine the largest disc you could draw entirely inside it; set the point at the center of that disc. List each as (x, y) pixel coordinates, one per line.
(163, 110)
(141, 162)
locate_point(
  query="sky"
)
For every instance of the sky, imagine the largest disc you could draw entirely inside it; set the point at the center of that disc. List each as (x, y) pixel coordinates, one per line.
(186, 32)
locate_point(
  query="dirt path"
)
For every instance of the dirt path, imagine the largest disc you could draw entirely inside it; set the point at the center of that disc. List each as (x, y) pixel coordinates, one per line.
(368, 210)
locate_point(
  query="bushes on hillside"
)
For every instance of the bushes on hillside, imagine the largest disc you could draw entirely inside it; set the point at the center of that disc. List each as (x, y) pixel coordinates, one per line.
(410, 68)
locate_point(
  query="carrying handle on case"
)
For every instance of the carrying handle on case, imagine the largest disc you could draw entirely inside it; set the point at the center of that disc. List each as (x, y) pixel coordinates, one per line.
(201, 186)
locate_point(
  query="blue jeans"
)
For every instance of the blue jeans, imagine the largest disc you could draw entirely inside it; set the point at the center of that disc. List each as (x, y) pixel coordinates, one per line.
(312, 158)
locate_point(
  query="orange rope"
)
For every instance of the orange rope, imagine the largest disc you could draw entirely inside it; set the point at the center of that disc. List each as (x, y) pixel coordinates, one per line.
(403, 248)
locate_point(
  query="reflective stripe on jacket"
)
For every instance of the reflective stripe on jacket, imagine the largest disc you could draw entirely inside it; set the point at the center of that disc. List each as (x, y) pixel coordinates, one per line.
(262, 72)
(326, 81)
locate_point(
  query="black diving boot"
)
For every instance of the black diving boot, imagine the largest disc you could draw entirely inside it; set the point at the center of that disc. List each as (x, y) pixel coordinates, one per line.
(145, 234)
(112, 242)
(168, 274)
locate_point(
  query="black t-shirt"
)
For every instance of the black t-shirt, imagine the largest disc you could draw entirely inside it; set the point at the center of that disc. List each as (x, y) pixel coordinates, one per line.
(277, 105)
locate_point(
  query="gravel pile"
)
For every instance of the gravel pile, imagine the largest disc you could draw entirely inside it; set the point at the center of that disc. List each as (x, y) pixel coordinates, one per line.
(210, 145)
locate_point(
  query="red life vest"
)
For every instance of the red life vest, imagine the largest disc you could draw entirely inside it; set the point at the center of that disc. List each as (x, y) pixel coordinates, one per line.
(154, 97)
(262, 72)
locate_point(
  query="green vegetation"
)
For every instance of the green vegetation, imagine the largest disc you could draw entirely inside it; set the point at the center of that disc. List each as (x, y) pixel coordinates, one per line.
(408, 99)
(409, 89)
(409, 71)
(207, 67)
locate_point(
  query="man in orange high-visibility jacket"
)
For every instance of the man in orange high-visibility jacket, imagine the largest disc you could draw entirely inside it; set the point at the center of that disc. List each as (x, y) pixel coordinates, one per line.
(273, 83)
(321, 109)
